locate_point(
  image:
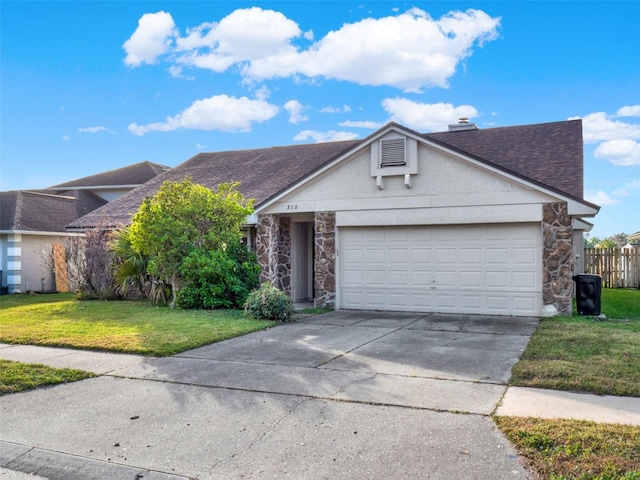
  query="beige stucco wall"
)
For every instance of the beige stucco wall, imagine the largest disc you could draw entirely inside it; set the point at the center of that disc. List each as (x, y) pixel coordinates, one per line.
(26, 262)
(445, 190)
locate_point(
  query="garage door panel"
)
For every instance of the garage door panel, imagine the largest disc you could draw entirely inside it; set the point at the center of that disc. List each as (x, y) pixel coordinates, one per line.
(446, 279)
(523, 280)
(523, 256)
(353, 278)
(471, 279)
(446, 255)
(470, 256)
(375, 278)
(471, 269)
(497, 256)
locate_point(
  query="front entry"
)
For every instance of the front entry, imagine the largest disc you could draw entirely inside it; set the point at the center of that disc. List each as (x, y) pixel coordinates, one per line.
(302, 259)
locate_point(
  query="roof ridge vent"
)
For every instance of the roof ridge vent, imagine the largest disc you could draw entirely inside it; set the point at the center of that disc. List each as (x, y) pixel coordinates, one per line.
(463, 124)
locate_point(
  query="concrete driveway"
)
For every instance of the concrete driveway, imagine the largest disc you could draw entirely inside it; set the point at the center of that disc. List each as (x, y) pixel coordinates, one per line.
(341, 395)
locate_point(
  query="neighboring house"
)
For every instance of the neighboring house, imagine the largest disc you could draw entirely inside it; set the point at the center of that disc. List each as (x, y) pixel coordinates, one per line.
(634, 238)
(32, 224)
(114, 183)
(484, 221)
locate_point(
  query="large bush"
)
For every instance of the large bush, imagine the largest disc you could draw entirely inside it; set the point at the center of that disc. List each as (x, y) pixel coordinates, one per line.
(188, 237)
(219, 278)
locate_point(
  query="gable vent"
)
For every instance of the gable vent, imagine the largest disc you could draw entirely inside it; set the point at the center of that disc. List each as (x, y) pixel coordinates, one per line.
(392, 152)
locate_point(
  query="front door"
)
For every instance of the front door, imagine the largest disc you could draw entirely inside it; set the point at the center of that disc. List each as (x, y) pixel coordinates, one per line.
(302, 246)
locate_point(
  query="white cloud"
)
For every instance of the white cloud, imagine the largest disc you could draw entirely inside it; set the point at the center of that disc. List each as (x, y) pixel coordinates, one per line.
(619, 152)
(342, 109)
(628, 190)
(245, 35)
(66, 138)
(96, 130)
(152, 38)
(600, 198)
(410, 51)
(295, 109)
(629, 111)
(176, 71)
(320, 137)
(618, 140)
(361, 124)
(426, 116)
(220, 112)
(598, 127)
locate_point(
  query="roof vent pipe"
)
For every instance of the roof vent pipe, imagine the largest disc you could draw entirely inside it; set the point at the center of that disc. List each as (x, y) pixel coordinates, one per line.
(463, 124)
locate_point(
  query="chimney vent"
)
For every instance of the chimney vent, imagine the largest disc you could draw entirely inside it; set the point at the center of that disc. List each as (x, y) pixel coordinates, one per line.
(463, 124)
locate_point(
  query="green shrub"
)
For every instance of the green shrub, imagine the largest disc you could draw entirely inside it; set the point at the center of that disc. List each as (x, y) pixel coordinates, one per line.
(218, 278)
(269, 303)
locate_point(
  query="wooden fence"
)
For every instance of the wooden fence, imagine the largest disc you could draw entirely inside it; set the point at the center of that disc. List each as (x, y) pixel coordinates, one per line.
(618, 267)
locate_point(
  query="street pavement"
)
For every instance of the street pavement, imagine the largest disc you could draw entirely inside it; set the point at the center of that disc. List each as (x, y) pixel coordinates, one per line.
(362, 395)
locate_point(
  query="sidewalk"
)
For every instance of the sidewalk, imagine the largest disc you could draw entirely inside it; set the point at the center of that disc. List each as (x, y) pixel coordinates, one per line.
(517, 401)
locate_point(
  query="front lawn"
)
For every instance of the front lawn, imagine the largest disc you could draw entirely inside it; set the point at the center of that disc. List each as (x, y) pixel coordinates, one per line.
(576, 450)
(585, 354)
(60, 320)
(589, 355)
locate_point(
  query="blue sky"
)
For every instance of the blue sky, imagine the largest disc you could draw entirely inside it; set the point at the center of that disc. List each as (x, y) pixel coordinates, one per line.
(96, 85)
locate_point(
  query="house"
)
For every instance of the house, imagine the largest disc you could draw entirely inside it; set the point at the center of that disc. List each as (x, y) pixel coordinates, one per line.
(32, 224)
(483, 221)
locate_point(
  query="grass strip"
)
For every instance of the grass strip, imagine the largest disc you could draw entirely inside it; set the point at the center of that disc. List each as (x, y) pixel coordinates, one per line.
(586, 354)
(60, 320)
(574, 449)
(18, 377)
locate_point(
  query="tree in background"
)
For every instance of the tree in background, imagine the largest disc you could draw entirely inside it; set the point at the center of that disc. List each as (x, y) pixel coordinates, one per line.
(617, 240)
(190, 238)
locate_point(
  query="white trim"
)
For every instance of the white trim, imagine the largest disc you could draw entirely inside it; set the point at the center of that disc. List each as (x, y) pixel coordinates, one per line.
(580, 224)
(97, 187)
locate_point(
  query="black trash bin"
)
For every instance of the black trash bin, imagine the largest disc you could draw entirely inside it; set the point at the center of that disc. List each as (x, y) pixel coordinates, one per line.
(588, 293)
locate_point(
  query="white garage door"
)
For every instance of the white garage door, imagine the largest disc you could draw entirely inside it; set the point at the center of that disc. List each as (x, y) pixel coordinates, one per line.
(494, 269)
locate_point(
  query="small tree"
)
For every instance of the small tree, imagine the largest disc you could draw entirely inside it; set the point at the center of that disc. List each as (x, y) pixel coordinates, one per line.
(187, 222)
(89, 262)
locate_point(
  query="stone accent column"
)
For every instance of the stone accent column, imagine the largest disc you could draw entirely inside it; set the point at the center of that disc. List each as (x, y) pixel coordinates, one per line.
(557, 257)
(325, 259)
(267, 233)
(284, 255)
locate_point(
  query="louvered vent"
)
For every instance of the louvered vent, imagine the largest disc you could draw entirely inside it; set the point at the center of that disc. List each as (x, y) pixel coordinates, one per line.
(392, 152)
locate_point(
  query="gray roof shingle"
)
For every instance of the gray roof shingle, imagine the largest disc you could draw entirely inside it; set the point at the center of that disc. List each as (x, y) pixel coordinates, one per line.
(547, 154)
(135, 174)
(41, 212)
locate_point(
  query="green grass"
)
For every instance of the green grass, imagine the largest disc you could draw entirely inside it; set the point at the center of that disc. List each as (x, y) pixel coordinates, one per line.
(17, 377)
(60, 320)
(575, 450)
(584, 354)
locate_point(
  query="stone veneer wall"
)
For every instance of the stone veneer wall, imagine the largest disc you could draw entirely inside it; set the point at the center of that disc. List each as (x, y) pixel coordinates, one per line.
(273, 248)
(284, 255)
(267, 233)
(557, 257)
(325, 259)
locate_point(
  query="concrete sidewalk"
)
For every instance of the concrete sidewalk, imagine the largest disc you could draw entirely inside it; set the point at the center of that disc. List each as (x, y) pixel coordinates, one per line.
(342, 395)
(516, 401)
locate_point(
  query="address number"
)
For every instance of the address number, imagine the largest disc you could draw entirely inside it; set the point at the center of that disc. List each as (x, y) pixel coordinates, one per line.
(292, 206)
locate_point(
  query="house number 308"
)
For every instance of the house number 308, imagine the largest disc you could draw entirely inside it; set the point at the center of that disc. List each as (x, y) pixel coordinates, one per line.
(292, 206)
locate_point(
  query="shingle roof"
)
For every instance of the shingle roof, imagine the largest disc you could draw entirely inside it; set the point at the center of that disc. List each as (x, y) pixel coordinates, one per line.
(135, 174)
(551, 154)
(548, 154)
(42, 212)
(262, 172)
